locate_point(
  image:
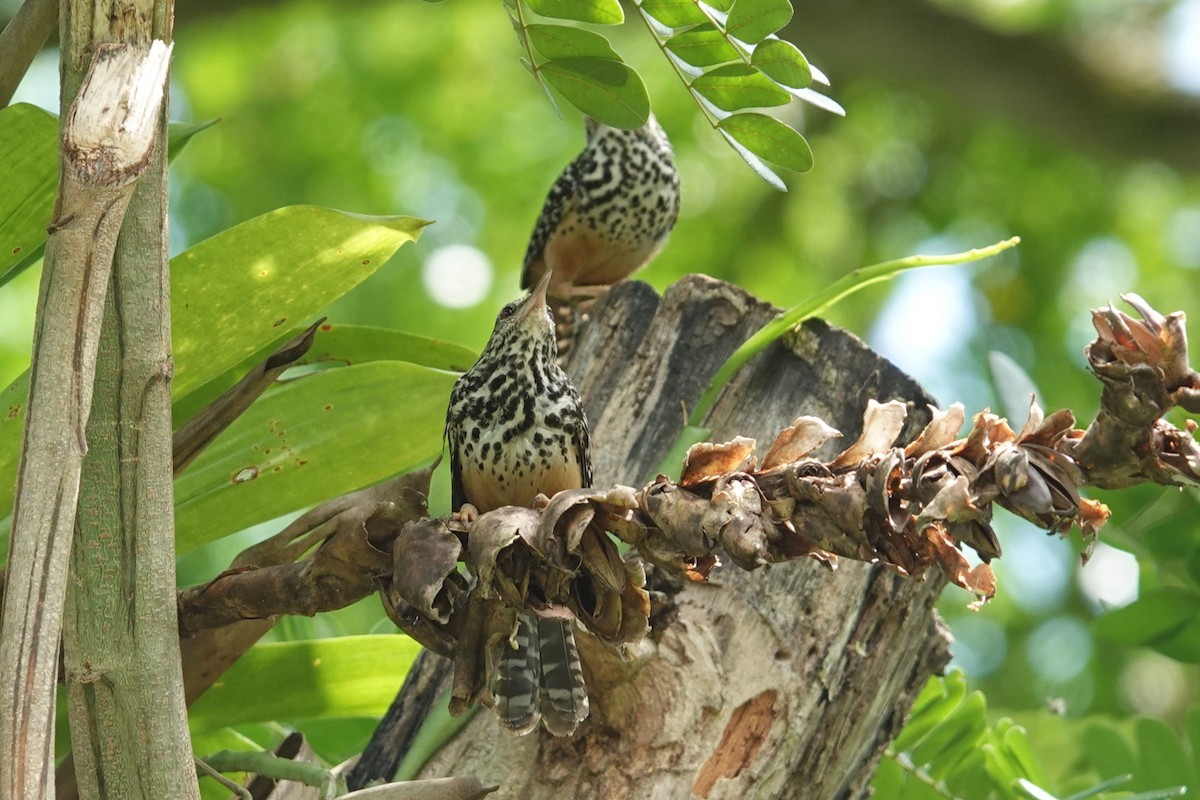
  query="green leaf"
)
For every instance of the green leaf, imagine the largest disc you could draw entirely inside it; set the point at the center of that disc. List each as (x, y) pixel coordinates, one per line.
(769, 139)
(339, 346)
(347, 676)
(180, 133)
(311, 439)
(358, 344)
(234, 293)
(1162, 759)
(242, 289)
(597, 12)
(675, 13)
(29, 141)
(702, 46)
(736, 86)
(563, 41)
(1157, 614)
(607, 90)
(939, 750)
(937, 702)
(782, 62)
(1107, 751)
(753, 20)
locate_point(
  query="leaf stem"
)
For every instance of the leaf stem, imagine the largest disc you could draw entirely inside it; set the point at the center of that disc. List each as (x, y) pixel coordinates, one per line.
(700, 103)
(843, 287)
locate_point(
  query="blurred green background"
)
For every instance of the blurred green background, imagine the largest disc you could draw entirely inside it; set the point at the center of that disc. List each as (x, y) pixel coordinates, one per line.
(1074, 124)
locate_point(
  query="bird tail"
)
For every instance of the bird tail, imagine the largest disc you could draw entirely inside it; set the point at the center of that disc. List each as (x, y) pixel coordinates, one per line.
(541, 678)
(564, 701)
(517, 684)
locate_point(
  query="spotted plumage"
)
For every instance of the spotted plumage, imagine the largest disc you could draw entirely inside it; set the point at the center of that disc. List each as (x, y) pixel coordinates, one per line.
(609, 212)
(515, 428)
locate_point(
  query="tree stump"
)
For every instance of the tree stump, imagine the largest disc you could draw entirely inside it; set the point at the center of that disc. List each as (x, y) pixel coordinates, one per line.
(785, 682)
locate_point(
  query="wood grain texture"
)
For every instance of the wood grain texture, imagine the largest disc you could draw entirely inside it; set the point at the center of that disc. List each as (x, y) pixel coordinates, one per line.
(785, 682)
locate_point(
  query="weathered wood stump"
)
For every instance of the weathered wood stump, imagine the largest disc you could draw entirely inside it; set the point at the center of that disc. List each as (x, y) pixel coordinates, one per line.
(785, 682)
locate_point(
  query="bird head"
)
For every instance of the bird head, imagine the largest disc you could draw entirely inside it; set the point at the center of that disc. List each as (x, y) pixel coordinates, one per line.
(527, 323)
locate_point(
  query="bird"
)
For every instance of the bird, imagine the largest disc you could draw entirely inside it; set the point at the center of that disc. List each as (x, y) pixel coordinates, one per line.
(515, 428)
(607, 215)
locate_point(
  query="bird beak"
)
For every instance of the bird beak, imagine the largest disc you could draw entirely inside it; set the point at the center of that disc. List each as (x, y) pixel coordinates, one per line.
(536, 303)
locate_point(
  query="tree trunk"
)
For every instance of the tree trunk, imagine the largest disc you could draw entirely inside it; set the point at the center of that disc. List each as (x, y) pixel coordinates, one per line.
(785, 682)
(124, 681)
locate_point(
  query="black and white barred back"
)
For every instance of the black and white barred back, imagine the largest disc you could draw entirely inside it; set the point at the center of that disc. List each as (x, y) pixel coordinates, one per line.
(610, 211)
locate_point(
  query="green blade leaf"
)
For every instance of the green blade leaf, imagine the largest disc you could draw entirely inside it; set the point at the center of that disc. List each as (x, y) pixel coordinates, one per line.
(769, 139)
(234, 293)
(347, 676)
(563, 41)
(311, 439)
(1161, 755)
(607, 90)
(753, 20)
(29, 141)
(597, 12)
(737, 86)
(782, 62)
(237, 292)
(180, 133)
(338, 346)
(702, 46)
(675, 13)
(1156, 615)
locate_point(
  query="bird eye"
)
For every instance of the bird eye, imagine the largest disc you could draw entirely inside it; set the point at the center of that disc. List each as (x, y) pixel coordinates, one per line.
(507, 311)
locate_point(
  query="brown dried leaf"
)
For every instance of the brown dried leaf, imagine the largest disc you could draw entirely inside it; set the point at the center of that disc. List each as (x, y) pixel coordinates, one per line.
(941, 430)
(678, 515)
(796, 441)
(882, 423)
(979, 580)
(425, 554)
(707, 460)
(493, 532)
(735, 518)
(567, 516)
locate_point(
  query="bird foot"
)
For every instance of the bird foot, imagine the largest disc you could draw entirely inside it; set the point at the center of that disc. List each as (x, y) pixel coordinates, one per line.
(467, 513)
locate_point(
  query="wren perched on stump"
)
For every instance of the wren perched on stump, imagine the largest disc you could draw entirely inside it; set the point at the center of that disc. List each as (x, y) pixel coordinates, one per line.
(607, 216)
(515, 428)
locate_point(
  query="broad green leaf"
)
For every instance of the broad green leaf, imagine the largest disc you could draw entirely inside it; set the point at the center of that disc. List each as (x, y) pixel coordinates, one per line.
(239, 290)
(782, 62)
(675, 13)
(347, 676)
(180, 133)
(563, 41)
(1107, 751)
(358, 344)
(769, 139)
(720, 6)
(607, 90)
(753, 20)
(702, 46)
(29, 142)
(1157, 614)
(311, 439)
(736, 86)
(756, 163)
(597, 12)
(1016, 743)
(1162, 759)
(341, 346)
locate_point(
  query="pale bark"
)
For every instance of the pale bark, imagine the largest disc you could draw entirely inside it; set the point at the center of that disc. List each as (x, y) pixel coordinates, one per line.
(108, 136)
(121, 649)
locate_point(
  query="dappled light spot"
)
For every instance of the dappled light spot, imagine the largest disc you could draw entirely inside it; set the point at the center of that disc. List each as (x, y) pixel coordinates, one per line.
(1110, 579)
(457, 276)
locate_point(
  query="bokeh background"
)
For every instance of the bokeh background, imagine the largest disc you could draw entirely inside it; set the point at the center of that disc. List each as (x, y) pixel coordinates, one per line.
(1074, 124)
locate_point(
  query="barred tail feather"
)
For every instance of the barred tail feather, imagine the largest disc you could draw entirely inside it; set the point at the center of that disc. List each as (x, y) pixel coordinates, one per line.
(516, 685)
(564, 699)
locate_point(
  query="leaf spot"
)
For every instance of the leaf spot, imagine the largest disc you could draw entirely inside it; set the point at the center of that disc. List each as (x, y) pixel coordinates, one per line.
(245, 474)
(279, 322)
